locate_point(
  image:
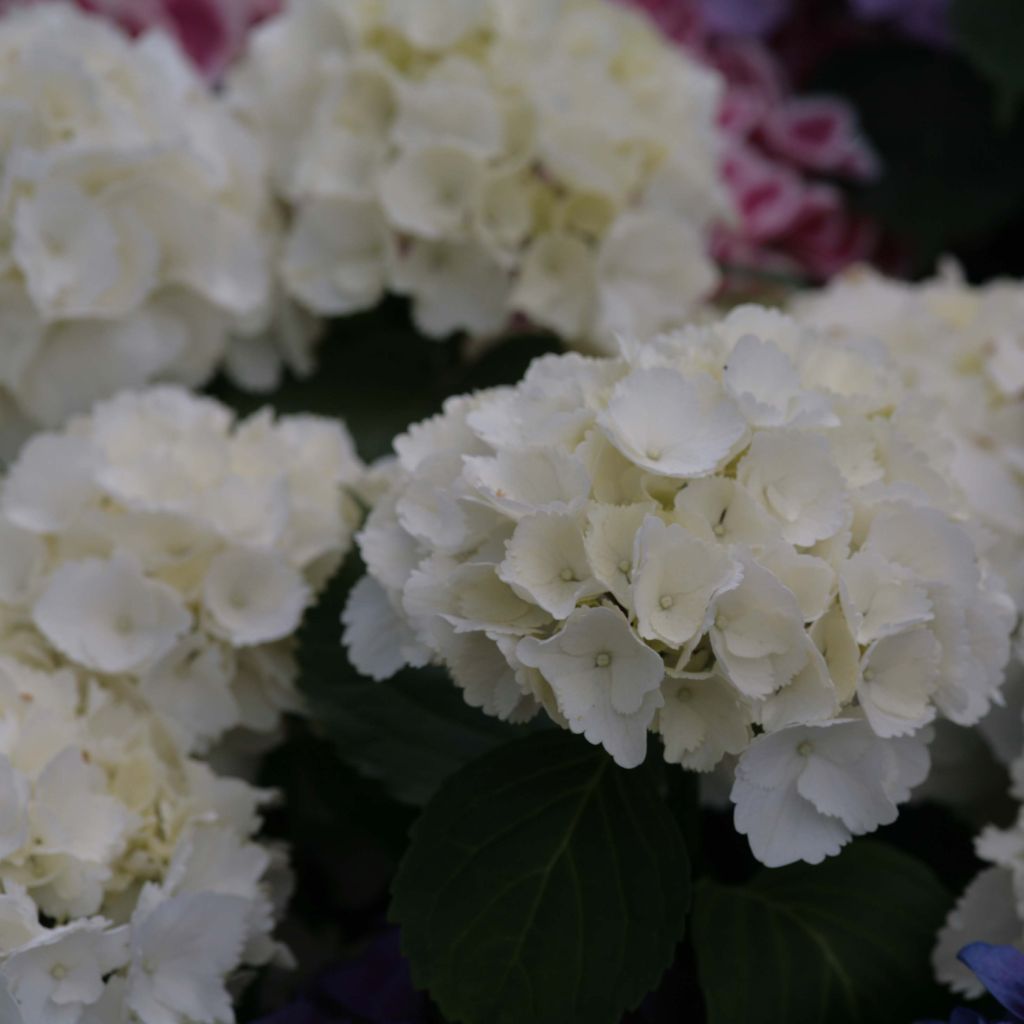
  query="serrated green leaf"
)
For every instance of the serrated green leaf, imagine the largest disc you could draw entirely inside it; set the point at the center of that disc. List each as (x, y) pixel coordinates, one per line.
(410, 732)
(543, 884)
(843, 942)
(991, 33)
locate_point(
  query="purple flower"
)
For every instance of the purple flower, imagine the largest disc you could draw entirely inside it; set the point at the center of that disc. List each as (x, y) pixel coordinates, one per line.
(372, 988)
(1001, 970)
(745, 17)
(925, 20)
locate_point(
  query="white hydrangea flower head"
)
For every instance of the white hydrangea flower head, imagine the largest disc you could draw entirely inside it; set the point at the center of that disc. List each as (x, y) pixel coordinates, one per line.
(490, 159)
(130, 879)
(140, 232)
(180, 550)
(724, 536)
(960, 348)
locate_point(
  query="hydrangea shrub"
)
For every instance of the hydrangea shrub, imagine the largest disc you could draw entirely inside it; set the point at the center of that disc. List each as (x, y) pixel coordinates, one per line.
(730, 537)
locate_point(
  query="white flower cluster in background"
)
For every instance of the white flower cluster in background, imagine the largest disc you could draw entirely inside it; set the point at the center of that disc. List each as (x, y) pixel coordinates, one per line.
(138, 232)
(991, 908)
(728, 536)
(130, 887)
(551, 159)
(960, 348)
(155, 543)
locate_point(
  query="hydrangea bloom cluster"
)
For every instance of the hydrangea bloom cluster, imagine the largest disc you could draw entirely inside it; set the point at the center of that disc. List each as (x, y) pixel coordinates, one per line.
(130, 887)
(962, 349)
(138, 230)
(158, 545)
(779, 148)
(211, 32)
(548, 159)
(728, 536)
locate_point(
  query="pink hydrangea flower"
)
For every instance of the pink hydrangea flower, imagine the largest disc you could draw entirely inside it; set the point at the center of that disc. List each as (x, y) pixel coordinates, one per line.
(777, 148)
(827, 236)
(211, 32)
(769, 196)
(818, 133)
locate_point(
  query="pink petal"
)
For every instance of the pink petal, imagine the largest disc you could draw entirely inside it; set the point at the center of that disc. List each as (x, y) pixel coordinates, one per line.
(210, 31)
(769, 197)
(741, 112)
(749, 64)
(820, 134)
(828, 237)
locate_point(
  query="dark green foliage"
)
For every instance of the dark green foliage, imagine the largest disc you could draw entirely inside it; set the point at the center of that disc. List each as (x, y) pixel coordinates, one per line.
(951, 166)
(378, 374)
(409, 733)
(843, 942)
(545, 885)
(991, 33)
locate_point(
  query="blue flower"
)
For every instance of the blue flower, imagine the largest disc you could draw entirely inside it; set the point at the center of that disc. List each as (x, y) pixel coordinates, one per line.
(1001, 970)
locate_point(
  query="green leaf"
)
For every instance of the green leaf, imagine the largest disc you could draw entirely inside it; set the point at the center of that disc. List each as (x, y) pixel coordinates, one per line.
(543, 884)
(372, 370)
(410, 732)
(378, 374)
(991, 33)
(950, 174)
(843, 942)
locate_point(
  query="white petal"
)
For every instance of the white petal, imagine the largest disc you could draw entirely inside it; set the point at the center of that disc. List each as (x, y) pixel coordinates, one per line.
(480, 669)
(675, 579)
(191, 942)
(898, 678)
(792, 476)
(534, 480)
(372, 628)
(22, 558)
(986, 912)
(556, 284)
(107, 616)
(652, 270)
(783, 828)
(671, 425)
(605, 679)
(254, 596)
(49, 483)
(701, 721)
(545, 562)
(610, 540)
(334, 260)
(430, 191)
(456, 286)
